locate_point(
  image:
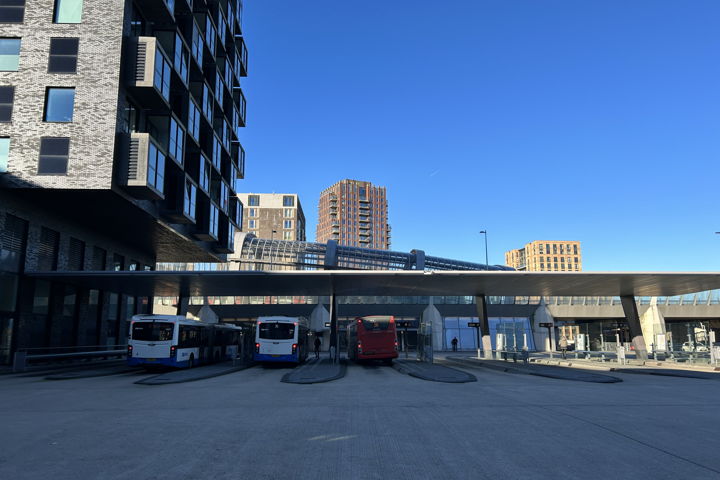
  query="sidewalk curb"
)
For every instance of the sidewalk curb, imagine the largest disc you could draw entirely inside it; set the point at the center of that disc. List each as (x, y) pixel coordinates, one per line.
(156, 380)
(340, 374)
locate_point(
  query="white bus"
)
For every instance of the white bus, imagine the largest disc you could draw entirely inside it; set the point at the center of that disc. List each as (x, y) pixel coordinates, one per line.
(175, 341)
(281, 339)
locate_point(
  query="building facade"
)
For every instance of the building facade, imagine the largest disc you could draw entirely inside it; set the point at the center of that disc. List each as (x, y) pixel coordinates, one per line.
(546, 256)
(277, 216)
(354, 213)
(119, 147)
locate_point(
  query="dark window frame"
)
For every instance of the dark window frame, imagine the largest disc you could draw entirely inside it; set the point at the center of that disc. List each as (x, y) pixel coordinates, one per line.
(62, 55)
(45, 142)
(8, 9)
(5, 105)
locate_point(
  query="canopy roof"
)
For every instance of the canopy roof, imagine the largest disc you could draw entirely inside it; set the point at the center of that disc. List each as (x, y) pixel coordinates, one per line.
(228, 283)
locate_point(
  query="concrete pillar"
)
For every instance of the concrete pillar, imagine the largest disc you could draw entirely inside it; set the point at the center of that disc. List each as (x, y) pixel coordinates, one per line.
(334, 330)
(633, 319)
(484, 325)
(182, 305)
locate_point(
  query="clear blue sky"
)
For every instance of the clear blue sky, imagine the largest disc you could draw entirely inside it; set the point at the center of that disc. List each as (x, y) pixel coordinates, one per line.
(591, 120)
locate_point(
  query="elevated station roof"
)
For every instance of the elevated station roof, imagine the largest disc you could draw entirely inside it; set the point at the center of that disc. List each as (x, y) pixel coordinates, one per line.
(227, 283)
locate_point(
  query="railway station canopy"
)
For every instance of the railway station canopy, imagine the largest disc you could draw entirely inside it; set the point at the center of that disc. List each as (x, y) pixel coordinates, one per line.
(409, 282)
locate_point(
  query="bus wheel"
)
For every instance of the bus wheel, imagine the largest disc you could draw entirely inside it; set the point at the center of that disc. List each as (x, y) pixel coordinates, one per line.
(388, 361)
(191, 362)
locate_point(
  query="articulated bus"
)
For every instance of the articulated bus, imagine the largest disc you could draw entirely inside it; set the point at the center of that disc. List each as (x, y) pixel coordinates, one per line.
(175, 341)
(372, 338)
(281, 339)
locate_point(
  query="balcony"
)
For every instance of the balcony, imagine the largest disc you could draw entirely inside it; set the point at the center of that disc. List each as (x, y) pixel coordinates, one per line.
(241, 57)
(143, 172)
(160, 11)
(150, 83)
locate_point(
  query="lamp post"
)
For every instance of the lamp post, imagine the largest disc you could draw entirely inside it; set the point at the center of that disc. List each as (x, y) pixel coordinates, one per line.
(484, 232)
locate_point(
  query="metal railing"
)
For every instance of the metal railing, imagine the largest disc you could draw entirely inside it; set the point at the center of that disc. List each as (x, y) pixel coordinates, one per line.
(50, 355)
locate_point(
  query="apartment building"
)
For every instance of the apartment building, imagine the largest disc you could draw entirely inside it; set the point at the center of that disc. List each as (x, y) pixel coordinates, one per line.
(354, 213)
(276, 216)
(546, 256)
(119, 148)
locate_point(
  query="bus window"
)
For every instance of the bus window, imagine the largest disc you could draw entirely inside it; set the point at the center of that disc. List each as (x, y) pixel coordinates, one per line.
(152, 331)
(277, 331)
(375, 324)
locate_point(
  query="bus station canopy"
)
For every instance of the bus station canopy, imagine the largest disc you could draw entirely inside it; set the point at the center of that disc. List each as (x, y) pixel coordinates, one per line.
(393, 283)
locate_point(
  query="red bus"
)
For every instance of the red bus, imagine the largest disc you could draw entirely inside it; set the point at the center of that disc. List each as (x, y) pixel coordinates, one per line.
(372, 338)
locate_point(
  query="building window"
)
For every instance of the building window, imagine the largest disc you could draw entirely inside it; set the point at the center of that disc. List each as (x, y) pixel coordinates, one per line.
(287, 212)
(54, 152)
(194, 120)
(161, 78)
(47, 249)
(254, 200)
(287, 224)
(288, 201)
(68, 11)
(176, 144)
(213, 225)
(197, 45)
(210, 35)
(252, 224)
(190, 199)
(63, 55)
(287, 235)
(118, 262)
(180, 60)
(207, 104)
(216, 152)
(12, 11)
(204, 174)
(224, 197)
(156, 168)
(4, 153)
(9, 54)
(59, 104)
(76, 255)
(7, 96)
(252, 212)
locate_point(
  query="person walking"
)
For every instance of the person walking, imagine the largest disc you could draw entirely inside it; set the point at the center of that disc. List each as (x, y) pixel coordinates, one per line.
(454, 343)
(318, 342)
(563, 345)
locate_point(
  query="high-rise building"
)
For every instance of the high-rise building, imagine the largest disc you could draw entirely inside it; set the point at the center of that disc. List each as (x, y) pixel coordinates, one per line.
(273, 215)
(355, 214)
(546, 256)
(119, 148)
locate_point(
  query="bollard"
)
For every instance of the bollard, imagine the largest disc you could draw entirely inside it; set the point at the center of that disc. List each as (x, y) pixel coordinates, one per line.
(20, 362)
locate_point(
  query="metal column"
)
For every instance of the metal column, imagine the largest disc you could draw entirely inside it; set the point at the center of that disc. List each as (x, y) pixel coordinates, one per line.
(484, 325)
(633, 319)
(183, 303)
(334, 330)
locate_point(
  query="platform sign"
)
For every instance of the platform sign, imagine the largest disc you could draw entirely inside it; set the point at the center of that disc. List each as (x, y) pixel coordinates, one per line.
(474, 324)
(546, 325)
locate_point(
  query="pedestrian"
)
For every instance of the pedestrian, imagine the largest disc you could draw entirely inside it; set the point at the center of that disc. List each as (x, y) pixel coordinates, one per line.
(454, 344)
(317, 347)
(563, 345)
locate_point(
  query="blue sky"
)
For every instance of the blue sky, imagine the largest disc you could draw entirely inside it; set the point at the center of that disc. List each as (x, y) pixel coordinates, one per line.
(590, 120)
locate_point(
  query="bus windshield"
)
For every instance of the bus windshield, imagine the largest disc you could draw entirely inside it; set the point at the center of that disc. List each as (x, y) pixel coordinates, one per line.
(152, 331)
(375, 324)
(277, 331)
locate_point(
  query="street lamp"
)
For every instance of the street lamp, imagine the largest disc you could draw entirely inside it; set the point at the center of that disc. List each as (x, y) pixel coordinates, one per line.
(484, 232)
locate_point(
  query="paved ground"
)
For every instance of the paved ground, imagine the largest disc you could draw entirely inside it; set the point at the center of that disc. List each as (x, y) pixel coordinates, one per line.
(316, 371)
(374, 423)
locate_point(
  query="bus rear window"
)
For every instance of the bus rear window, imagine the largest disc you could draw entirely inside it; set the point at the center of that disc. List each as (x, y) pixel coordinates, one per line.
(375, 324)
(152, 331)
(277, 331)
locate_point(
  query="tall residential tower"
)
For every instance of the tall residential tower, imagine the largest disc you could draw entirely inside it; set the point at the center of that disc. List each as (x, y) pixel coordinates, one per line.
(355, 214)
